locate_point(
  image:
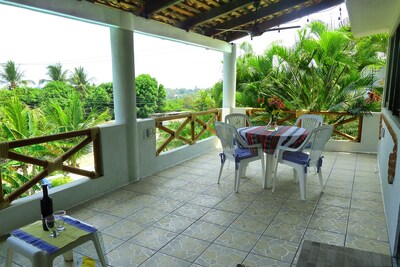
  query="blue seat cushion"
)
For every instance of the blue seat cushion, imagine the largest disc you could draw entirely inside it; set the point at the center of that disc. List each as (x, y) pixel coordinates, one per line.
(244, 153)
(296, 157)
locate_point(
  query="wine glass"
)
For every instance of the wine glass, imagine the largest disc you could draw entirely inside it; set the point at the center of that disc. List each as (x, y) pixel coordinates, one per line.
(59, 217)
(51, 225)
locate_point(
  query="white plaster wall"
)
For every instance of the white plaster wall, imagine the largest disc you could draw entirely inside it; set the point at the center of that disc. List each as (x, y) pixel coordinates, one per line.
(26, 210)
(390, 192)
(369, 138)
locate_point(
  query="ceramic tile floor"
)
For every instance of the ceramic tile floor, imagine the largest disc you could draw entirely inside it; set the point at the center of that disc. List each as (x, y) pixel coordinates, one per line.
(182, 217)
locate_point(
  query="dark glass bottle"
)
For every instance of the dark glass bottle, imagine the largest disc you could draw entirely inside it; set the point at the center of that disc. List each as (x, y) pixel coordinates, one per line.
(46, 206)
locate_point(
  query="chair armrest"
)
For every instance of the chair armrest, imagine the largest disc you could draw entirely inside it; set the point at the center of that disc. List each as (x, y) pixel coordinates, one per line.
(253, 146)
(285, 148)
(243, 143)
(299, 148)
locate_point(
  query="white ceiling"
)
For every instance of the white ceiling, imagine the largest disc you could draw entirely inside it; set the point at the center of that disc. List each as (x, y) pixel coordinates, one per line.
(372, 16)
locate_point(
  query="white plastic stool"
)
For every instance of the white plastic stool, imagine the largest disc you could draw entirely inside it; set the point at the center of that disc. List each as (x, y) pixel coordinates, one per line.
(40, 258)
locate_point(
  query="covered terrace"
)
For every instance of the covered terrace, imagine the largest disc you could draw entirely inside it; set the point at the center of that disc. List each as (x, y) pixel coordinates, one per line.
(138, 176)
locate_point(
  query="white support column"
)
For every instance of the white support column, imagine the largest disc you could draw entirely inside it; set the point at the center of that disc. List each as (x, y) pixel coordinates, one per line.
(125, 93)
(229, 81)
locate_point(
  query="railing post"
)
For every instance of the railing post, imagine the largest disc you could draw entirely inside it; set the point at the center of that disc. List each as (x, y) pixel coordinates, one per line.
(360, 126)
(98, 166)
(192, 126)
(1, 186)
(3, 154)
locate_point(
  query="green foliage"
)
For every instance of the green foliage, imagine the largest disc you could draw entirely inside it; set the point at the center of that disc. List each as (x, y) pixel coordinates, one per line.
(57, 107)
(97, 99)
(108, 88)
(161, 98)
(55, 73)
(12, 178)
(80, 80)
(325, 70)
(60, 181)
(5, 95)
(73, 117)
(30, 96)
(56, 92)
(12, 76)
(146, 95)
(18, 121)
(174, 105)
(216, 93)
(203, 101)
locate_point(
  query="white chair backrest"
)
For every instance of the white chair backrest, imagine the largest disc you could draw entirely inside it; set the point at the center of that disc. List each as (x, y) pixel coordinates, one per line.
(238, 120)
(319, 137)
(309, 121)
(226, 134)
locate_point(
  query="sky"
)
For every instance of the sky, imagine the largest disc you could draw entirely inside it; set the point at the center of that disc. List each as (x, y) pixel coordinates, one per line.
(39, 40)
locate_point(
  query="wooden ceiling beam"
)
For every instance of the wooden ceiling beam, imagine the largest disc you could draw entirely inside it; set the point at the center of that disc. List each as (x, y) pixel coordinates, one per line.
(261, 12)
(153, 6)
(295, 14)
(213, 14)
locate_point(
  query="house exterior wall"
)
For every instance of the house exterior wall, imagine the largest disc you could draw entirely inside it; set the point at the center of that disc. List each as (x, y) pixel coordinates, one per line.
(390, 192)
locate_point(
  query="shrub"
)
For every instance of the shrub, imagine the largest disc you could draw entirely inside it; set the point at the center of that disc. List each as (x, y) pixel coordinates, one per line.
(60, 181)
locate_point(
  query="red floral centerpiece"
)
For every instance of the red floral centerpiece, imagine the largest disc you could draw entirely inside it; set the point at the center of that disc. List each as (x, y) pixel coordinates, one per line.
(273, 107)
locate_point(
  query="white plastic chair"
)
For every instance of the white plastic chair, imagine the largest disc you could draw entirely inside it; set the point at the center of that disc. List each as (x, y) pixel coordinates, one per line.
(309, 121)
(301, 161)
(238, 120)
(235, 149)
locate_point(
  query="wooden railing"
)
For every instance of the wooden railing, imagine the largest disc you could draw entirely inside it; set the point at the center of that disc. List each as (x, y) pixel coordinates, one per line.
(337, 119)
(163, 124)
(8, 151)
(185, 119)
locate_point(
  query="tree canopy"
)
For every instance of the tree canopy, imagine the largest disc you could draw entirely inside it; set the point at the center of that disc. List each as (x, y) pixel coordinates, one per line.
(12, 76)
(149, 95)
(325, 70)
(55, 73)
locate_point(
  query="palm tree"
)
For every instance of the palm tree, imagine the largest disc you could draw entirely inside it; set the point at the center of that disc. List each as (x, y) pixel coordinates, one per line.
(20, 122)
(73, 118)
(251, 70)
(80, 80)
(12, 76)
(56, 73)
(321, 72)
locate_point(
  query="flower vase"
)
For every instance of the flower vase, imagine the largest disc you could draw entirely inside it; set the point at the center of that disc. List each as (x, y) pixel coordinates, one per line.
(272, 124)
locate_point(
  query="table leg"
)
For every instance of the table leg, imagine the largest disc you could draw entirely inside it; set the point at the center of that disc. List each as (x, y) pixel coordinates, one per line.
(9, 257)
(243, 170)
(268, 170)
(68, 256)
(99, 249)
